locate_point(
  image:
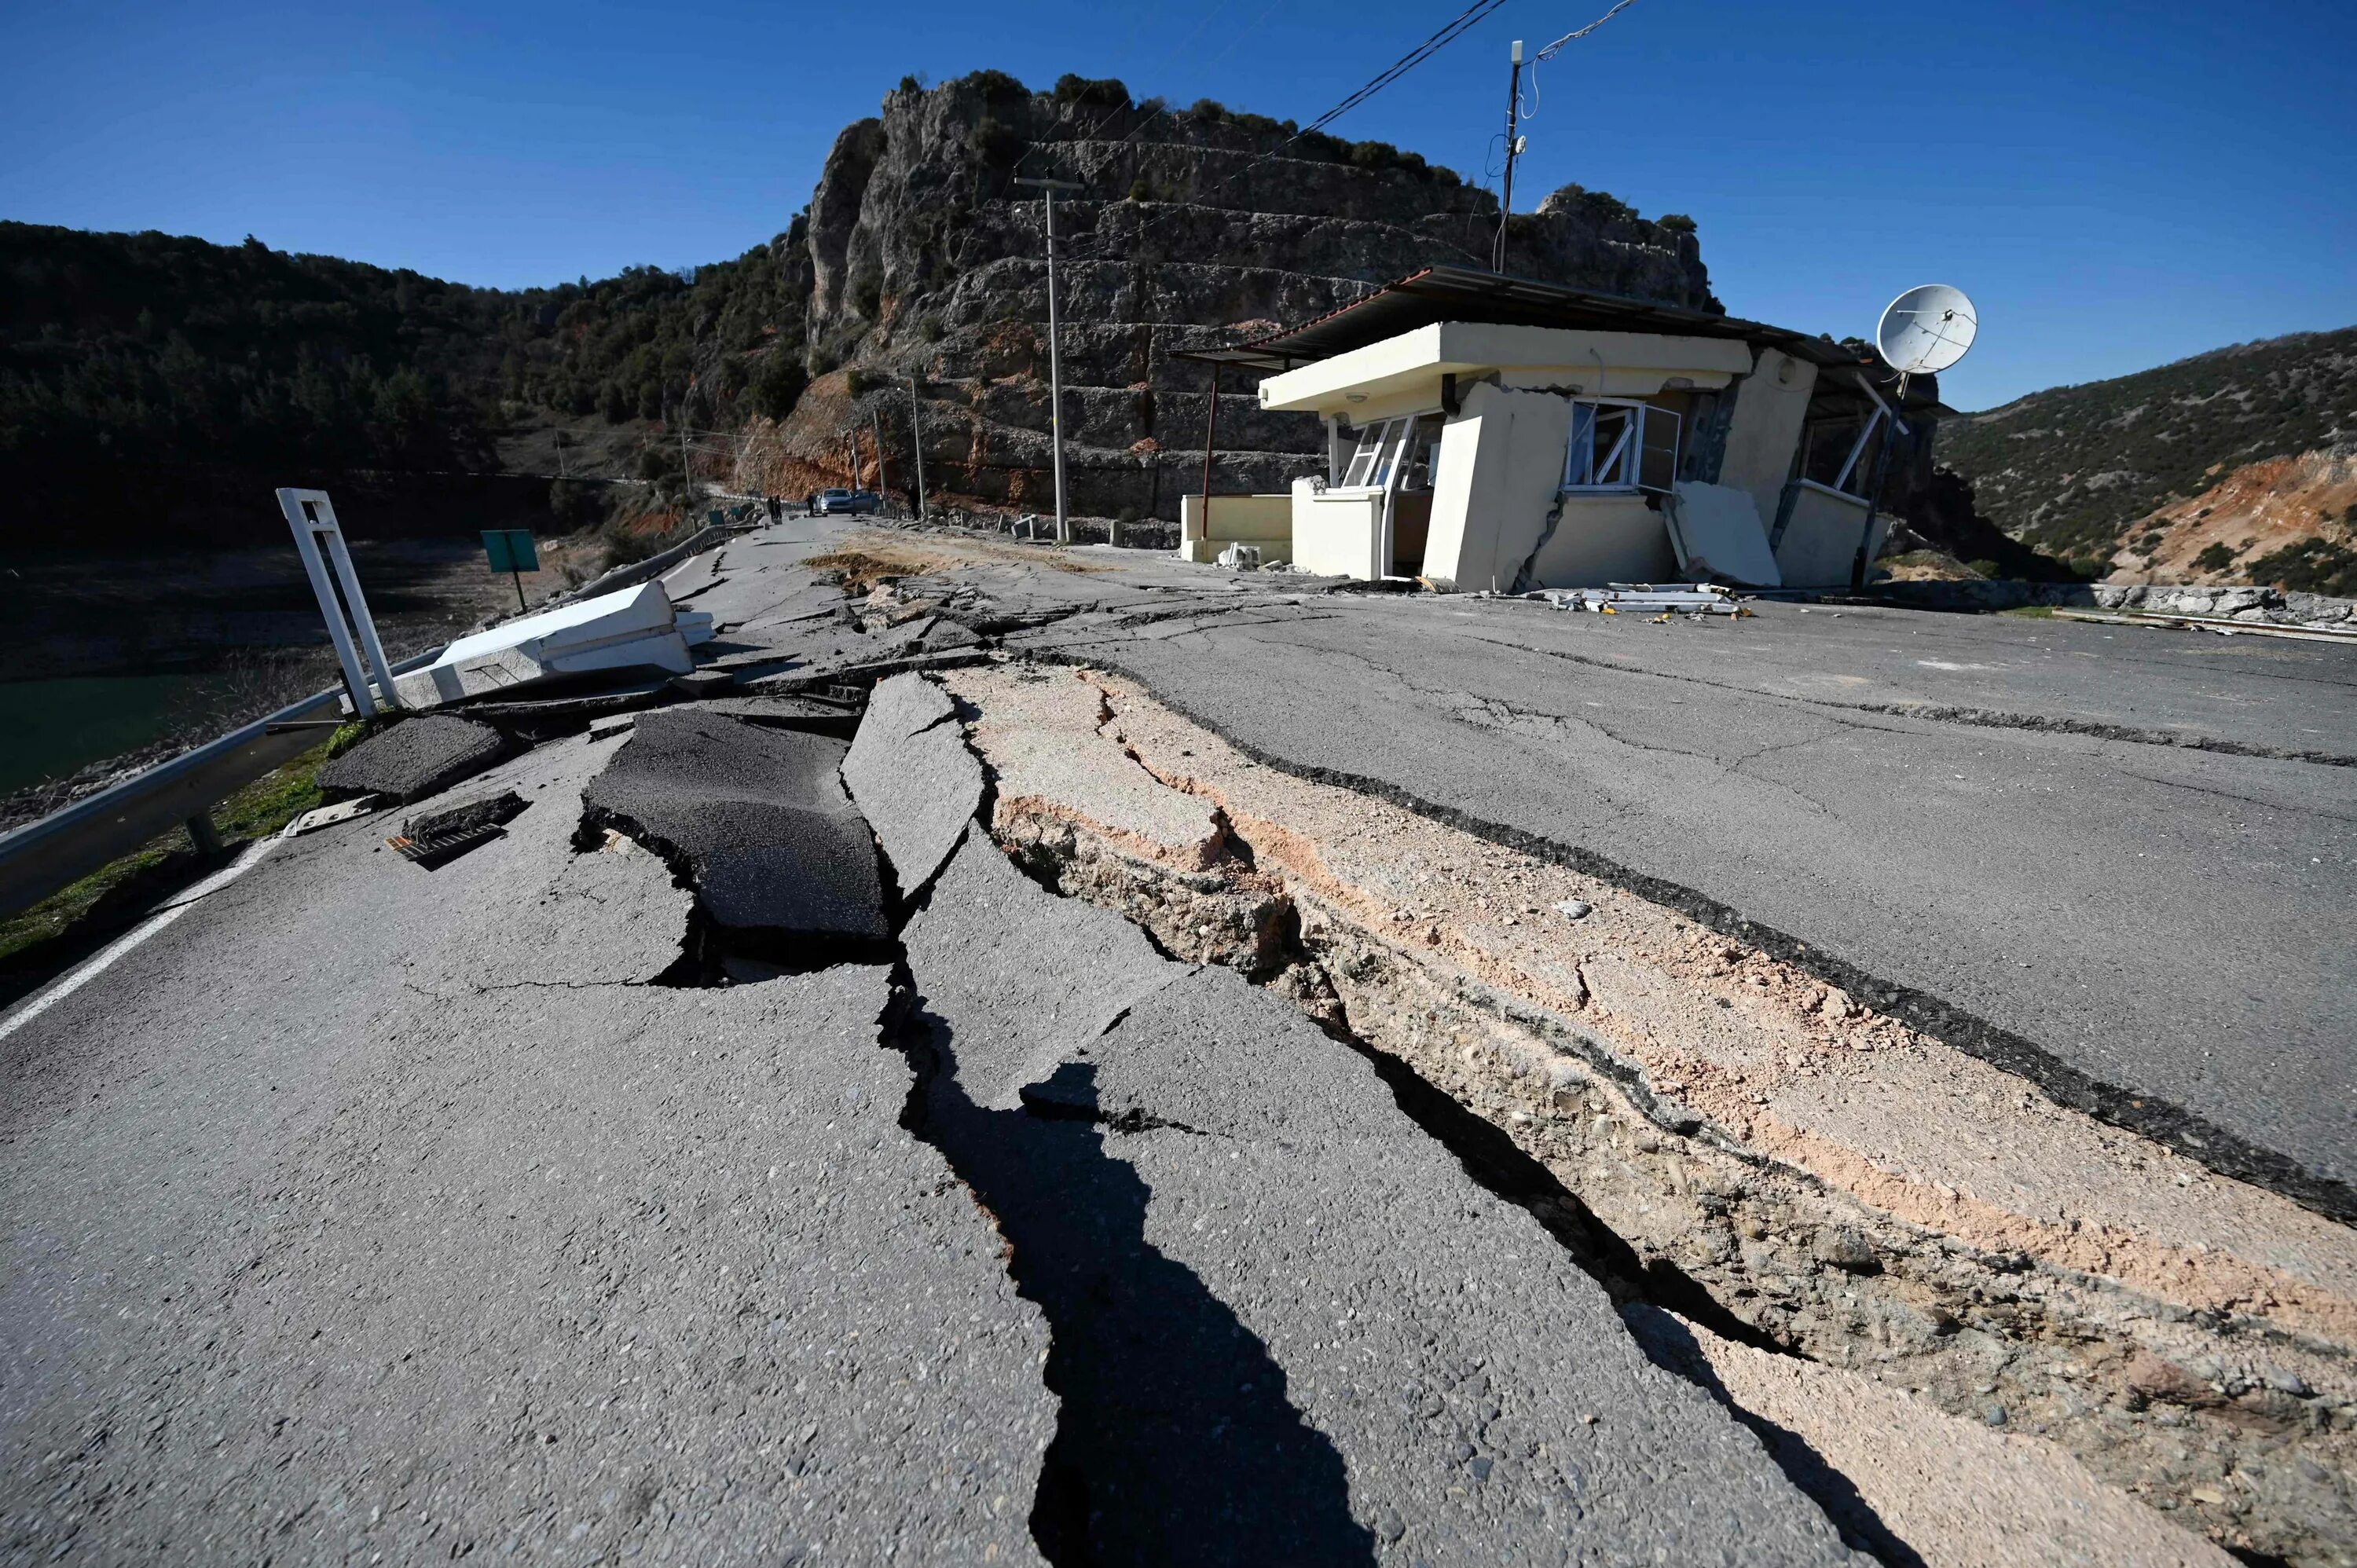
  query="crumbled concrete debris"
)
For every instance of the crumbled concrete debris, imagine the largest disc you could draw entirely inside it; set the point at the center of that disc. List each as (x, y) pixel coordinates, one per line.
(756, 816)
(414, 757)
(911, 776)
(612, 725)
(1250, 1257)
(1726, 1128)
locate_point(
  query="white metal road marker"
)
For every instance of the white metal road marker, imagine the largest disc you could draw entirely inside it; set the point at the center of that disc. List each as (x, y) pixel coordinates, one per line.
(162, 918)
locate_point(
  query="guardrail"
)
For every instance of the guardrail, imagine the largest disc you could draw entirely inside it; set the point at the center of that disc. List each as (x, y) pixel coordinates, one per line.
(39, 858)
(653, 565)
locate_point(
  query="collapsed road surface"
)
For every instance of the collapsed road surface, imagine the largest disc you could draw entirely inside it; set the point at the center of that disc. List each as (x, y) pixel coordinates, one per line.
(1278, 1077)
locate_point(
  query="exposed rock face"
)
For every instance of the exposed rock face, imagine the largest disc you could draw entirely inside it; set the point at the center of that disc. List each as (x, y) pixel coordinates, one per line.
(1194, 228)
(2288, 520)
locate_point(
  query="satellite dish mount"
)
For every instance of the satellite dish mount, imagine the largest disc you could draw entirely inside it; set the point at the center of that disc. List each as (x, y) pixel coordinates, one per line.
(1922, 332)
(1925, 330)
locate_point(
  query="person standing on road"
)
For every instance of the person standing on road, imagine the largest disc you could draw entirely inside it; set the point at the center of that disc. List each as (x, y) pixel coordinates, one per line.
(776, 510)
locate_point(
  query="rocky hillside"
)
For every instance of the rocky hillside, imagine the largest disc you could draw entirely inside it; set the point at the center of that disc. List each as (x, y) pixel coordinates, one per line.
(1193, 227)
(2230, 466)
(166, 383)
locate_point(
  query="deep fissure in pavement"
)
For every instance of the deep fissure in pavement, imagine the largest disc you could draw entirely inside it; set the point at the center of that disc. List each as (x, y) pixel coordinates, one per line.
(2147, 1116)
(1500, 1167)
(1171, 1409)
(1774, 1259)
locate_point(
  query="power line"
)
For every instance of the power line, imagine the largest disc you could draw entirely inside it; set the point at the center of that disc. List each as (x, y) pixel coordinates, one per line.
(1449, 33)
(1549, 52)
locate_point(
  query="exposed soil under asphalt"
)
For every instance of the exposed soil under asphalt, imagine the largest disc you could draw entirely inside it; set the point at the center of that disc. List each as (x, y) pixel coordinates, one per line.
(1724, 1136)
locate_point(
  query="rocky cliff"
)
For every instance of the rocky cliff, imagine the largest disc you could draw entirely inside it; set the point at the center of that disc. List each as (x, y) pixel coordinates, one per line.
(1192, 228)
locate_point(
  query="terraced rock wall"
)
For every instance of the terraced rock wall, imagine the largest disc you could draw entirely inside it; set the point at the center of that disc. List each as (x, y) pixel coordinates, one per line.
(1192, 228)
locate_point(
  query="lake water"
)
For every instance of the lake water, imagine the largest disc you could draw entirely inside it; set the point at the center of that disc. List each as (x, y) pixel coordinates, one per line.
(51, 727)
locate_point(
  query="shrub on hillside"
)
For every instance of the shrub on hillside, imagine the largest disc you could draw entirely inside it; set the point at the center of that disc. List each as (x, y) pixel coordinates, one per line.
(1097, 92)
(576, 504)
(778, 384)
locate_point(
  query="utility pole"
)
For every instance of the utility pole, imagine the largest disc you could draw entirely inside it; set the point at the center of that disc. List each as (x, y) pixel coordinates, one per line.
(916, 447)
(1514, 145)
(1055, 357)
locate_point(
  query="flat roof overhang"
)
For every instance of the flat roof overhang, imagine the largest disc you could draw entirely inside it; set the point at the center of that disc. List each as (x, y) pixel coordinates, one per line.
(1469, 295)
(1420, 357)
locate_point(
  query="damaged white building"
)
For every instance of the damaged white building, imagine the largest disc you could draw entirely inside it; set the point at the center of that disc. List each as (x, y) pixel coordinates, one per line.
(1489, 432)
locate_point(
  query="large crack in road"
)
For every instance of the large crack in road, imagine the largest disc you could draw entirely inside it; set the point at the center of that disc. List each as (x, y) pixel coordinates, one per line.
(1772, 1227)
(1037, 1131)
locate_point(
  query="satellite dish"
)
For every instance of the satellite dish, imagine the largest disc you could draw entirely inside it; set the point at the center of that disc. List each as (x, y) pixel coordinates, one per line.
(1926, 329)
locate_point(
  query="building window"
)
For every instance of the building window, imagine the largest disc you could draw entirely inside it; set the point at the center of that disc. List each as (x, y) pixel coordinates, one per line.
(1376, 457)
(1843, 454)
(1401, 447)
(1621, 446)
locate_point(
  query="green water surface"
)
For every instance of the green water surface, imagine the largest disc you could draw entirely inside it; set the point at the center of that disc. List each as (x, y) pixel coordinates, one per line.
(51, 727)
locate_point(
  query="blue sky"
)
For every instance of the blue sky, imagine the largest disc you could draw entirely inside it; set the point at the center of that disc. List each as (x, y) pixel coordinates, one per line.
(2116, 185)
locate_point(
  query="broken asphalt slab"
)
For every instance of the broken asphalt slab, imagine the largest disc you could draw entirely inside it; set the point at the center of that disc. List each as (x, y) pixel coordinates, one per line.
(756, 816)
(789, 710)
(911, 776)
(1029, 995)
(415, 757)
(1250, 1255)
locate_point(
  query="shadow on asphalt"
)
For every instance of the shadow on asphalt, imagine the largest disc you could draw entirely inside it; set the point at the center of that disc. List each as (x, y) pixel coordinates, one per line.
(1176, 1443)
(1671, 1347)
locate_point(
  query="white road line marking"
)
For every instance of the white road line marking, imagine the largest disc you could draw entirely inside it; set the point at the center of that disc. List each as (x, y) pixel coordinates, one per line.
(94, 967)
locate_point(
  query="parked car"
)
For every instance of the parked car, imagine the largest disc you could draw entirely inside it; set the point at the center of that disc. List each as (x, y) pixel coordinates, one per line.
(853, 504)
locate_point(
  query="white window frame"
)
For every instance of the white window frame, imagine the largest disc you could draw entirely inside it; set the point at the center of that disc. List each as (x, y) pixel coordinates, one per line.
(1377, 455)
(1622, 469)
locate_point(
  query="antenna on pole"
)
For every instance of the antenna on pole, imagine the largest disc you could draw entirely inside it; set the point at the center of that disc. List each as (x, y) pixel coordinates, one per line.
(1055, 354)
(1513, 146)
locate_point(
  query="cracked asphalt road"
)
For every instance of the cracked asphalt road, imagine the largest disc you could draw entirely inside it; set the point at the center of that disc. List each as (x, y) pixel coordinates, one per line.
(2158, 917)
(374, 1211)
(371, 1213)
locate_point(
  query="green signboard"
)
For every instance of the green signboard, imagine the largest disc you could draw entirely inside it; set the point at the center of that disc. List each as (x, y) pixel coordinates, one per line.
(511, 550)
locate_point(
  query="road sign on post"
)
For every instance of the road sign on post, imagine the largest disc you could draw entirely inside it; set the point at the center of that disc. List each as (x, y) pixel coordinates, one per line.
(510, 550)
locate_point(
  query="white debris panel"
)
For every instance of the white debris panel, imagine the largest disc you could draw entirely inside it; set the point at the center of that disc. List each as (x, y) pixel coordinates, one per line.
(634, 629)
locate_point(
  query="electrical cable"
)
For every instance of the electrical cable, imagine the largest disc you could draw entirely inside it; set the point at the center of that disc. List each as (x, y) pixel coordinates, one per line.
(1549, 52)
(1447, 33)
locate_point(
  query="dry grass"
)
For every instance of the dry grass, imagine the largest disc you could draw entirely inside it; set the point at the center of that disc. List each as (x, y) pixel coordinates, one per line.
(868, 559)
